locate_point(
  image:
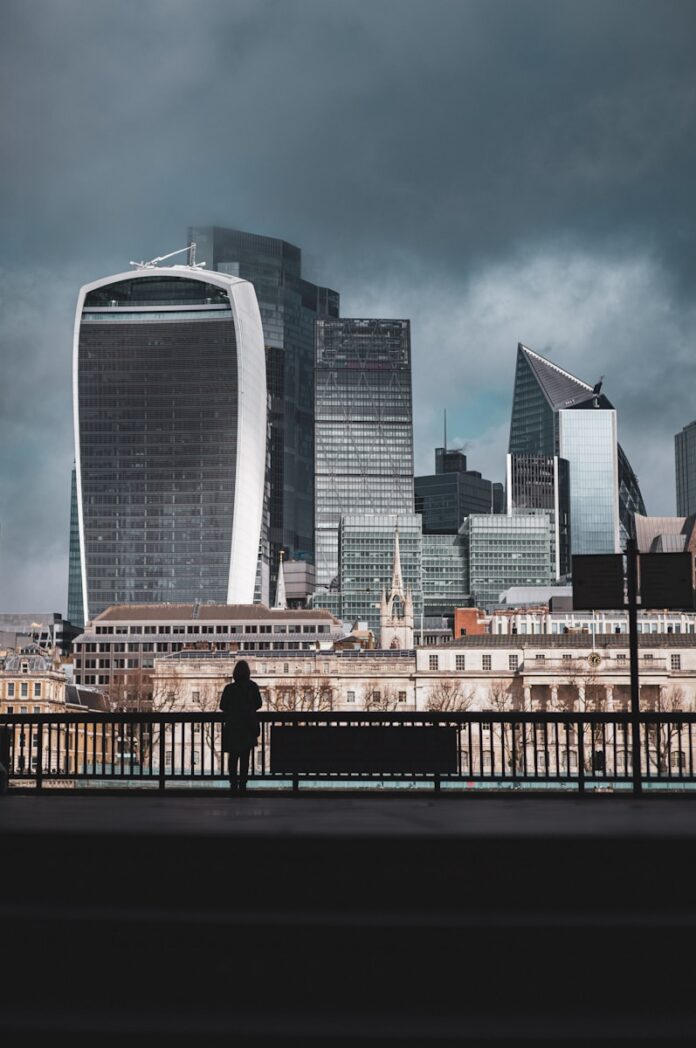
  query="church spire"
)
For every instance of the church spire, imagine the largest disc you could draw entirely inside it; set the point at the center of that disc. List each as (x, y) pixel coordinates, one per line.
(397, 586)
(280, 601)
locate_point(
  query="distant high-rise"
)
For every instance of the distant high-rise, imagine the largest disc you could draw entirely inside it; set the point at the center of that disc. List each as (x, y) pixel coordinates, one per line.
(76, 603)
(544, 398)
(290, 306)
(445, 497)
(170, 437)
(363, 430)
(685, 461)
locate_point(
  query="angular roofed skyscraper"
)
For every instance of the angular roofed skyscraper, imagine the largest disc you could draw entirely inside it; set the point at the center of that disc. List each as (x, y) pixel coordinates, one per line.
(604, 491)
(169, 387)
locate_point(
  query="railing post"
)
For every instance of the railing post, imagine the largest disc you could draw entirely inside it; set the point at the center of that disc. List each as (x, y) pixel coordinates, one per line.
(632, 592)
(162, 769)
(296, 784)
(581, 756)
(436, 783)
(39, 757)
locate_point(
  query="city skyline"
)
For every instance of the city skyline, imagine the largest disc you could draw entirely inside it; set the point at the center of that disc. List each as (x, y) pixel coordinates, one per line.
(551, 207)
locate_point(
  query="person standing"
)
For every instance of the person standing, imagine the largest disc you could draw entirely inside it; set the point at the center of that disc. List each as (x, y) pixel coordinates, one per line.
(240, 701)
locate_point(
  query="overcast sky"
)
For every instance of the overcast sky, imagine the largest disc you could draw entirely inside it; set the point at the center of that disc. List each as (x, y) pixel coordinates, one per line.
(497, 171)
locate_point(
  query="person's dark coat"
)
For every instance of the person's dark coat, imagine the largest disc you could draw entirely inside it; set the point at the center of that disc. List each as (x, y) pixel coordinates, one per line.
(239, 702)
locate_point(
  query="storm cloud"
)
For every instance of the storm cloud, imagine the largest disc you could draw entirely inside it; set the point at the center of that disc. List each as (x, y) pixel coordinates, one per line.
(498, 171)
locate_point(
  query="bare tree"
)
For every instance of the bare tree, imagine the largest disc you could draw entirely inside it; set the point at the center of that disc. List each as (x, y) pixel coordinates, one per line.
(378, 696)
(129, 692)
(449, 695)
(300, 693)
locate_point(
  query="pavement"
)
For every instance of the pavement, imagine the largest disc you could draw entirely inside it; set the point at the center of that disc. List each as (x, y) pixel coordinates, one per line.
(215, 814)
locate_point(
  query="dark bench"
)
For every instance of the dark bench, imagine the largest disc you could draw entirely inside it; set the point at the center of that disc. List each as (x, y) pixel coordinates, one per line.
(309, 750)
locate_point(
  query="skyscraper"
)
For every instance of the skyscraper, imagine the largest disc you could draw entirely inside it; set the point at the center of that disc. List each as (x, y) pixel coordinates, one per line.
(290, 306)
(685, 462)
(543, 392)
(363, 429)
(169, 394)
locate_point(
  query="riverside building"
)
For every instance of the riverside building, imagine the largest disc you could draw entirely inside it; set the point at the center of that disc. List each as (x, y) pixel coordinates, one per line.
(169, 386)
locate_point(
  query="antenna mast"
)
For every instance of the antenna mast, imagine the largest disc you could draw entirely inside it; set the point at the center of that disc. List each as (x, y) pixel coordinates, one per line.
(190, 248)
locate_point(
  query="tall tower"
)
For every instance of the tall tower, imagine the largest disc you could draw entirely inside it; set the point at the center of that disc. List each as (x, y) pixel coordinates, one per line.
(556, 414)
(396, 608)
(364, 428)
(290, 307)
(169, 389)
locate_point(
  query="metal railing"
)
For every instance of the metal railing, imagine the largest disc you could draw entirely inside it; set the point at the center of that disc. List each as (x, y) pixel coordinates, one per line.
(568, 750)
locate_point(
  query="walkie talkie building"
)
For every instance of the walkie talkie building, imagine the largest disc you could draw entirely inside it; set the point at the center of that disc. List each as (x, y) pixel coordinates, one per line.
(169, 398)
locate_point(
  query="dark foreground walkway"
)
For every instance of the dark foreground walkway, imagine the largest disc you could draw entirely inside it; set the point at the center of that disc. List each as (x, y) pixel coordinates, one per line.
(346, 920)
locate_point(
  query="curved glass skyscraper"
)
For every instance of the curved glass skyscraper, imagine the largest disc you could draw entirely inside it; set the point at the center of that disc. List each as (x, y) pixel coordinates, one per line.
(169, 397)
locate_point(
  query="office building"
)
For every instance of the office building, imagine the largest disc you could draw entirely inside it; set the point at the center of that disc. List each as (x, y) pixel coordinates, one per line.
(366, 566)
(290, 306)
(170, 437)
(119, 646)
(445, 497)
(506, 551)
(541, 482)
(363, 430)
(445, 577)
(685, 463)
(543, 392)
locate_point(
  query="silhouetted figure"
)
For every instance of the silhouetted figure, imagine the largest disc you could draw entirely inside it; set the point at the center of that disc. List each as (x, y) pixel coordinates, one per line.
(239, 702)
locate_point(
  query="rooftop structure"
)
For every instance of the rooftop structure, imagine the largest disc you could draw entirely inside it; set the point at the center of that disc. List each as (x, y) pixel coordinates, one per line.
(452, 493)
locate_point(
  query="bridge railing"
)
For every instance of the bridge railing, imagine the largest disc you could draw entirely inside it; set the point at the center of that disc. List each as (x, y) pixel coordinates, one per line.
(523, 749)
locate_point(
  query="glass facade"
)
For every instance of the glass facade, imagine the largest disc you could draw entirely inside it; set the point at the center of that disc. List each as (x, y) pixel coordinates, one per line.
(587, 439)
(164, 442)
(366, 544)
(289, 308)
(445, 574)
(542, 482)
(506, 551)
(75, 599)
(542, 392)
(685, 463)
(363, 430)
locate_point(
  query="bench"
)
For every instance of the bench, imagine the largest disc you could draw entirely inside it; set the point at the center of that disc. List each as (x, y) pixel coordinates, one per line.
(363, 750)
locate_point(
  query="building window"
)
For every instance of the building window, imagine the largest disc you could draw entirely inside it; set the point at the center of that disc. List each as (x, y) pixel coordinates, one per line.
(675, 662)
(196, 698)
(168, 758)
(620, 658)
(402, 696)
(460, 662)
(196, 756)
(433, 662)
(486, 662)
(37, 689)
(10, 689)
(350, 696)
(648, 658)
(10, 710)
(286, 667)
(36, 709)
(24, 690)
(513, 662)
(540, 658)
(567, 657)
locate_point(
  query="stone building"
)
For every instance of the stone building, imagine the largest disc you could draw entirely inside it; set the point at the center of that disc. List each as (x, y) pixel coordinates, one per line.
(477, 673)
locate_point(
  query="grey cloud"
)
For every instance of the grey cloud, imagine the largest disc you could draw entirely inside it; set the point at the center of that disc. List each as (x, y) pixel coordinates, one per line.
(484, 167)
